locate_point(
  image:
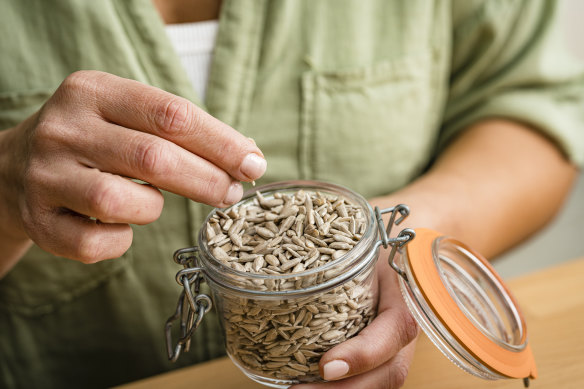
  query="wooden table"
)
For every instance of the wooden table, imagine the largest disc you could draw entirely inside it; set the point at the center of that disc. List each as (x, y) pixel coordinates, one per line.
(552, 301)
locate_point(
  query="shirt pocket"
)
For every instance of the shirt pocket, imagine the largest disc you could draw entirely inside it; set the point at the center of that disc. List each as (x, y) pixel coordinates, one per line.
(40, 282)
(370, 128)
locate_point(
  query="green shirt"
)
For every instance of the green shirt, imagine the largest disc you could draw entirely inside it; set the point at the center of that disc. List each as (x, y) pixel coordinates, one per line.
(360, 93)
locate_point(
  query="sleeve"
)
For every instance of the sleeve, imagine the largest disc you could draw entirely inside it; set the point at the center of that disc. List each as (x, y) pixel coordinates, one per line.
(509, 61)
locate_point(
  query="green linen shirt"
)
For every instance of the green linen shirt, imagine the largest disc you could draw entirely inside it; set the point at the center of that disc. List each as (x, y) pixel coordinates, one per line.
(360, 93)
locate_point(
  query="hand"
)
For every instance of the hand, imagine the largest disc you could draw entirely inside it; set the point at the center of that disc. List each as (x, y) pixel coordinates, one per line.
(64, 171)
(380, 355)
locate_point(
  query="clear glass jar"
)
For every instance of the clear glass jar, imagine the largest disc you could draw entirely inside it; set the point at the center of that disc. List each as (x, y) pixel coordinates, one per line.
(278, 326)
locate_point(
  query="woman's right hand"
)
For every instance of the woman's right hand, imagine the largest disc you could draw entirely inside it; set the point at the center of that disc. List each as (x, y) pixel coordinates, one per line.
(63, 171)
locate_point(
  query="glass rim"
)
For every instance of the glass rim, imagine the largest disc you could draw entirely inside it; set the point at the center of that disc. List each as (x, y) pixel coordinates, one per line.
(366, 246)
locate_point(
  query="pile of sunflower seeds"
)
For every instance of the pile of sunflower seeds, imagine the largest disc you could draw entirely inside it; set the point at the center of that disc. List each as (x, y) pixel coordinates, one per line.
(284, 339)
(285, 234)
(281, 236)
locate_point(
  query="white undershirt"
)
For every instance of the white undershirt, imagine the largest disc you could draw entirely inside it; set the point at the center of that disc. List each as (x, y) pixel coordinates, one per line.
(194, 43)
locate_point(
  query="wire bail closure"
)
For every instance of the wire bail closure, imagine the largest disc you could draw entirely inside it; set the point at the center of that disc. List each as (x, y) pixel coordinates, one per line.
(400, 240)
(191, 306)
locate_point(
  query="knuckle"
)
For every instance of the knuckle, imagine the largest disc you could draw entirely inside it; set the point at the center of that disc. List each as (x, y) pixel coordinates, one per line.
(38, 182)
(152, 158)
(48, 129)
(215, 189)
(34, 220)
(34, 176)
(45, 126)
(80, 81)
(103, 198)
(407, 327)
(174, 116)
(92, 245)
(88, 248)
(28, 221)
(398, 376)
(49, 142)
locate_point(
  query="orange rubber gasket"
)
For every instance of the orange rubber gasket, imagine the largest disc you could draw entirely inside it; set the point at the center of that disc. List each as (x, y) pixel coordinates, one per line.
(514, 364)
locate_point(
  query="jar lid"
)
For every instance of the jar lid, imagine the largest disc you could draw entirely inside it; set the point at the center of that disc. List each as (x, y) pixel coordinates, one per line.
(465, 308)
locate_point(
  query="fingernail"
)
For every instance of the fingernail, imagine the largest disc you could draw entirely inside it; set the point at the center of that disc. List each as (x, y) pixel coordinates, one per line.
(335, 369)
(253, 166)
(234, 193)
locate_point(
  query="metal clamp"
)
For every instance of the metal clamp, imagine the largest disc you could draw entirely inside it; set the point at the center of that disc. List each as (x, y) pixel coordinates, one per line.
(400, 240)
(191, 306)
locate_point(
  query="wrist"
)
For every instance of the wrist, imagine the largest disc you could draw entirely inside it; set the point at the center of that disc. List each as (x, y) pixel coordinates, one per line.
(436, 201)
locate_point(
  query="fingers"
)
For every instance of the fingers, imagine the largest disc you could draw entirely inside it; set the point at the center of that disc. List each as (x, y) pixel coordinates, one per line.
(106, 197)
(141, 107)
(159, 162)
(76, 237)
(98, 128)
(392, 330)
(389, 375)
(61, 198)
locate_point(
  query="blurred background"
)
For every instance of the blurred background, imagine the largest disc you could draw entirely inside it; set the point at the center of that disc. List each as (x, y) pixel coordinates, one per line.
(563, 238)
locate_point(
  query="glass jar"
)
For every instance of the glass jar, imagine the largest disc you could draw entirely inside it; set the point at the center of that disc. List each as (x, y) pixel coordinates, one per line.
(277, 326)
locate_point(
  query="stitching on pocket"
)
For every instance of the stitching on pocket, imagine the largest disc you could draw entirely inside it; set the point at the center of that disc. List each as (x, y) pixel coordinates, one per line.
(376, 74)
